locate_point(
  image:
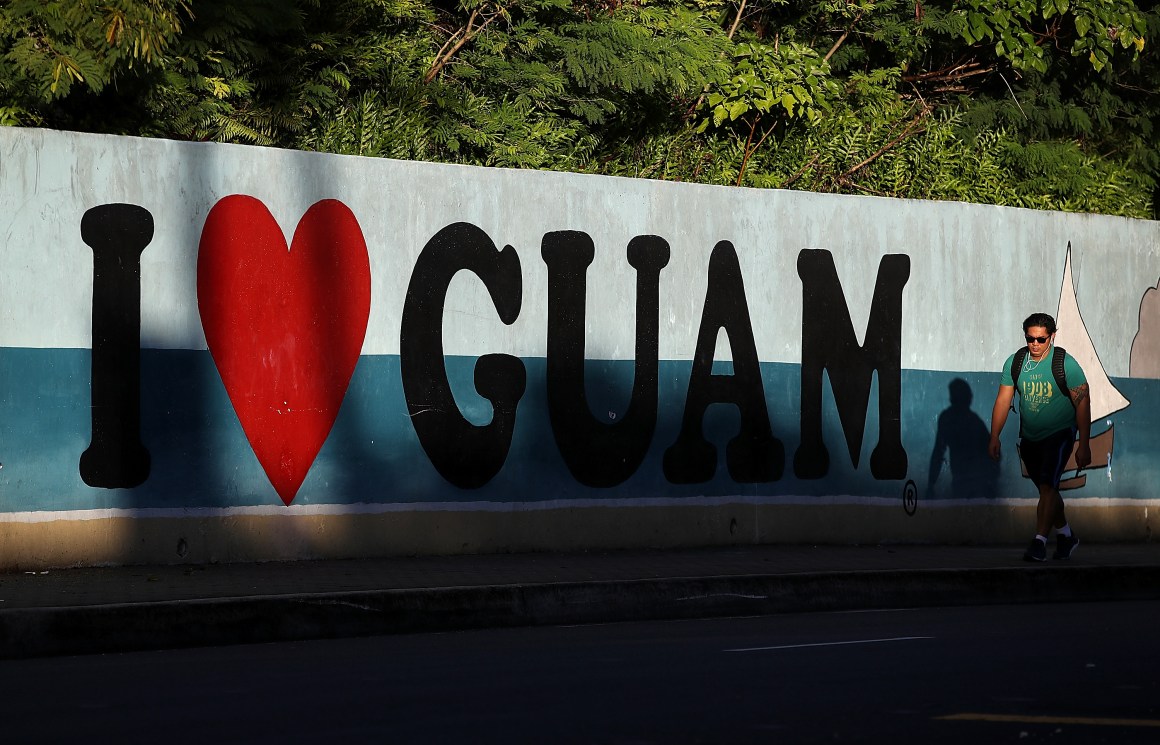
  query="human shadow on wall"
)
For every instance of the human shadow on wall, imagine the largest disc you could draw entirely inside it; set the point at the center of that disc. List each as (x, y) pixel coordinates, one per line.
(961, 440)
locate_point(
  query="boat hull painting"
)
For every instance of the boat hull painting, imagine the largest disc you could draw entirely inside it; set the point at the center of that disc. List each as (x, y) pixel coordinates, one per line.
(250, 353)
(1102, 445)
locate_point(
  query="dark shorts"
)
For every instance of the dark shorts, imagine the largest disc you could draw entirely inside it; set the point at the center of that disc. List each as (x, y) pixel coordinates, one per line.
(1045, 459)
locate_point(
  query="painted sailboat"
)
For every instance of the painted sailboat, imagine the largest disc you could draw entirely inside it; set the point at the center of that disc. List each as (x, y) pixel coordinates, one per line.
(1106, 399)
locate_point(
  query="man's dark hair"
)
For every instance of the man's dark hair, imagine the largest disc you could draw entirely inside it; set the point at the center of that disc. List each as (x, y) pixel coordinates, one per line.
(1040, 319)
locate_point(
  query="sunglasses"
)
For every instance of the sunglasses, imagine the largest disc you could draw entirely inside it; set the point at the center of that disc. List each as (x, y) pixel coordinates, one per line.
(1038, 339)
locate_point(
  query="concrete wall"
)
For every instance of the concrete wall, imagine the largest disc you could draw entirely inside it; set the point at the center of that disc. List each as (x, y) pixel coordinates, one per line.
(223, 353)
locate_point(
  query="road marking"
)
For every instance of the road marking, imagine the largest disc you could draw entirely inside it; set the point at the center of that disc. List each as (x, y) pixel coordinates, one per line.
(1093, 721)
(830, 644)
(724, 595)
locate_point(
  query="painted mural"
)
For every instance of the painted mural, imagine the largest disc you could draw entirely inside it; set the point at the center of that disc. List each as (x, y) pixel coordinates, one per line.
(234, 328)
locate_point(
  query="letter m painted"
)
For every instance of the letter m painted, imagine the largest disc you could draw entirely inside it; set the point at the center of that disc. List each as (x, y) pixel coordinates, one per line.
(829, 345)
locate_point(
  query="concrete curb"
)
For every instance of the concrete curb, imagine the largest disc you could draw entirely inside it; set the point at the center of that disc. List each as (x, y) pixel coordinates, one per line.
(92, 629)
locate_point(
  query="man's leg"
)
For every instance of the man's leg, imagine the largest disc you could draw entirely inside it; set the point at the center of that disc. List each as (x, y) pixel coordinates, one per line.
(1049, 512)
(1044, 520)
(1045, 461)
(1065, 540)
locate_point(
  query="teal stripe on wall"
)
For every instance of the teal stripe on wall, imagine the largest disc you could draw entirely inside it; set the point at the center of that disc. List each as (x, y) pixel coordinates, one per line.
(200, 457)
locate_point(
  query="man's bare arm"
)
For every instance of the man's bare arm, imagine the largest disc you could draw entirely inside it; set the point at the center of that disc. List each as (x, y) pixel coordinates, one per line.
(1081, 399)
(1083, 422)
(999, 413)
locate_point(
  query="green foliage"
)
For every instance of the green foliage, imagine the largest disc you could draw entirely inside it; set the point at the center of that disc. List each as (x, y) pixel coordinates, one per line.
(906, 152)
(53, 45)
(790, 81)
(1020, 28)
(1049, 104)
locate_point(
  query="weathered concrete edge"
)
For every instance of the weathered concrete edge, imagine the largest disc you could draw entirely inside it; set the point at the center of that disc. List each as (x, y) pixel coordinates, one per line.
(37, 632)
(233, 535)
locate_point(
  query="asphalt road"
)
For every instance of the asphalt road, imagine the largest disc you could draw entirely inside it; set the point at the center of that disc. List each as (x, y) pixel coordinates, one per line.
(1081, 673)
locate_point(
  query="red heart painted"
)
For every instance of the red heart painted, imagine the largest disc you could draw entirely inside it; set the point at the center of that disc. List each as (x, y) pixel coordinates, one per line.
(285, 326)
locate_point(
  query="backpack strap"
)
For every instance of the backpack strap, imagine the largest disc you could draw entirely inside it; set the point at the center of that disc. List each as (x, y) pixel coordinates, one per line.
(1057, 357)
(1017, 365)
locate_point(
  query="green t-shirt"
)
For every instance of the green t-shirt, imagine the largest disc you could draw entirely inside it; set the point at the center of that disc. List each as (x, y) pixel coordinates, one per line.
(1043, 410)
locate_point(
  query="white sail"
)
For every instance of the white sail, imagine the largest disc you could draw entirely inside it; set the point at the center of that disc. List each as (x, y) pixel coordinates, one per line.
(1072, 335)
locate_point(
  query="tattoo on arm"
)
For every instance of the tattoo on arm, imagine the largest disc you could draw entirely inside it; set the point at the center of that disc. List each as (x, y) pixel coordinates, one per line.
(1079, 393)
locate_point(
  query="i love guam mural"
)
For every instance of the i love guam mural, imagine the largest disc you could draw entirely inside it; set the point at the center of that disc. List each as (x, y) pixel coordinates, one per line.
(208, 329)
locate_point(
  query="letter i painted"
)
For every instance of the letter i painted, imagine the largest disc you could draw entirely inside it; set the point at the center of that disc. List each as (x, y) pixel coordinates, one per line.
(117, 233)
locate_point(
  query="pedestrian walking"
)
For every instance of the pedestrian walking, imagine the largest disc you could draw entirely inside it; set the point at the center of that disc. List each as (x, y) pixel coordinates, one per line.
(1054, 406)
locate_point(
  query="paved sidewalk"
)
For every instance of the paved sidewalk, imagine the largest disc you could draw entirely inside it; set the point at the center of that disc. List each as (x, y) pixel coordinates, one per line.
(90, 610)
